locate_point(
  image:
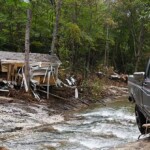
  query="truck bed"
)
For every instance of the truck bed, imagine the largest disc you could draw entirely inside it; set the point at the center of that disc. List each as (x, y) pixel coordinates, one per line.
(135, 88)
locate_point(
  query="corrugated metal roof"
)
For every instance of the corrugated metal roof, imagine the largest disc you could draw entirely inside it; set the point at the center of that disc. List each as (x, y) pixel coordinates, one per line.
(33, 57)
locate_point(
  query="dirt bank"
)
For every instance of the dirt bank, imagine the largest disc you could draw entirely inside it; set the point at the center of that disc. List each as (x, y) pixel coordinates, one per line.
(65, 101)
(25, 115)
(142, 144)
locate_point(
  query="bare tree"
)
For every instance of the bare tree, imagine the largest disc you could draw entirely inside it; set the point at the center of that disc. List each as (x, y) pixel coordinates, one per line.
(56, 25)
(106, 56)
(27, 47)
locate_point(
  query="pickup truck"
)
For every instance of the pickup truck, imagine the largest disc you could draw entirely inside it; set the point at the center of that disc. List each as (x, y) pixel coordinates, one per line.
(139, 92)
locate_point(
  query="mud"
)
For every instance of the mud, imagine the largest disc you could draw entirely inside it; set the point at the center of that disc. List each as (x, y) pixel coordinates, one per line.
(21, 116)
(142, 144)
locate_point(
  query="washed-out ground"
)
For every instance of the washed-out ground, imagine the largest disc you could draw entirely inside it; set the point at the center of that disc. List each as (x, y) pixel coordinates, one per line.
(25, 116)
(143, 144)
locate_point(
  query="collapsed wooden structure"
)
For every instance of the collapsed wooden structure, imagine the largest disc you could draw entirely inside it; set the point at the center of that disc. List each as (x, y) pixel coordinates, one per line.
(43, 69)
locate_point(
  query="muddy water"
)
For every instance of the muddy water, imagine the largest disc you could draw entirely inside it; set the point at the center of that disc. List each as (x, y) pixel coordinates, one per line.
(96, 128)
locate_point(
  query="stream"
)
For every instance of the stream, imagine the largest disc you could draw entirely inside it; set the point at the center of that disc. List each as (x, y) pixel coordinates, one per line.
(95, 128)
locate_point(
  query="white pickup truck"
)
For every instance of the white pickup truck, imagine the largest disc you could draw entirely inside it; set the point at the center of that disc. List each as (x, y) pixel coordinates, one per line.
(139, 92)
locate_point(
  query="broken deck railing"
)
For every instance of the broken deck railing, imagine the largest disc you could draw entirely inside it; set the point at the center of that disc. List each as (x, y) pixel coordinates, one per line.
(43, 72)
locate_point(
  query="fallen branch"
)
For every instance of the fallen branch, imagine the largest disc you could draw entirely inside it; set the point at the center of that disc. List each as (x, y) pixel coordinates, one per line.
(83, 102)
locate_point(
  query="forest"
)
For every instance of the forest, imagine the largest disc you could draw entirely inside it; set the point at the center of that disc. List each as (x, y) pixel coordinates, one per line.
(89, 34)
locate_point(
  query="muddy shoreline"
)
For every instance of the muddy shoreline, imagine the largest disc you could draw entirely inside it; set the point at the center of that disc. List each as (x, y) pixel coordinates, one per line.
(50, 112)
(142, 144)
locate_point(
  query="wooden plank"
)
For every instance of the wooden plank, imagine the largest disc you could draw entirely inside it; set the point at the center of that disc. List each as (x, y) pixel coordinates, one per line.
(3, 61)
(34, 57)
(146, 125)
(25, 82)
(2, 90)
(4, 68)
(53, 95)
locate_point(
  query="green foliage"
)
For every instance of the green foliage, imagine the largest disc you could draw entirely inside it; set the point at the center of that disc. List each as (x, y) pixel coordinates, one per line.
(82, 35)
(131, 34)
(93, 87)
(97, 88)
(73, 33)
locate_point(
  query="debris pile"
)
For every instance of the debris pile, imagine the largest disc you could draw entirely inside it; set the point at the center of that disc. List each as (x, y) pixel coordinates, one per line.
(43, 73)
(113, 76)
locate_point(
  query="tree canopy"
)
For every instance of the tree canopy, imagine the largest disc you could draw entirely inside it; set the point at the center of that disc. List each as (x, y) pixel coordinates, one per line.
(90, 33)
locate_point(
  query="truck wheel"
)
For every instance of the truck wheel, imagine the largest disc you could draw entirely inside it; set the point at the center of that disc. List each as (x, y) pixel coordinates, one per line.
(140, 119)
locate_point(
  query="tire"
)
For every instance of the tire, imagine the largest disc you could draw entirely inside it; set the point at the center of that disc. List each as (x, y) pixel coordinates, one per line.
(140, 119)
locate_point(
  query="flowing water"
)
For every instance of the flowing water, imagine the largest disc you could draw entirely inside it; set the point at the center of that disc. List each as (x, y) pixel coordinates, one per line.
(96, 128)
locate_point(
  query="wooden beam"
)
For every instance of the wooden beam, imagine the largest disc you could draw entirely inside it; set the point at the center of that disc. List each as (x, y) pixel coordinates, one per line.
(146, 125)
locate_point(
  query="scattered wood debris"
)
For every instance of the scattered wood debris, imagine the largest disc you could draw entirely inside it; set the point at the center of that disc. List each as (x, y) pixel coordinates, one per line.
(113, 76)
(43, 73)
(119, 77)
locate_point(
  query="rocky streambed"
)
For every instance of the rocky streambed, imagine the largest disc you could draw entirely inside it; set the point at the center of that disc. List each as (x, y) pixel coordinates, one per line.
(36, 126)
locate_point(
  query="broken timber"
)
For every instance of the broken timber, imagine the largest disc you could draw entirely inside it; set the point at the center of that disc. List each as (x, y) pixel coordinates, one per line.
(43, 69)
(146, 125)
(43, 72)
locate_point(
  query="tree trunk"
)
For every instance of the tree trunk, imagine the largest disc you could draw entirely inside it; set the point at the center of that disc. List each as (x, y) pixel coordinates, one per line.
(140, 41)
(106, 58)
(55, 30)
(88, 57)
(27, 47)
(88, 62)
